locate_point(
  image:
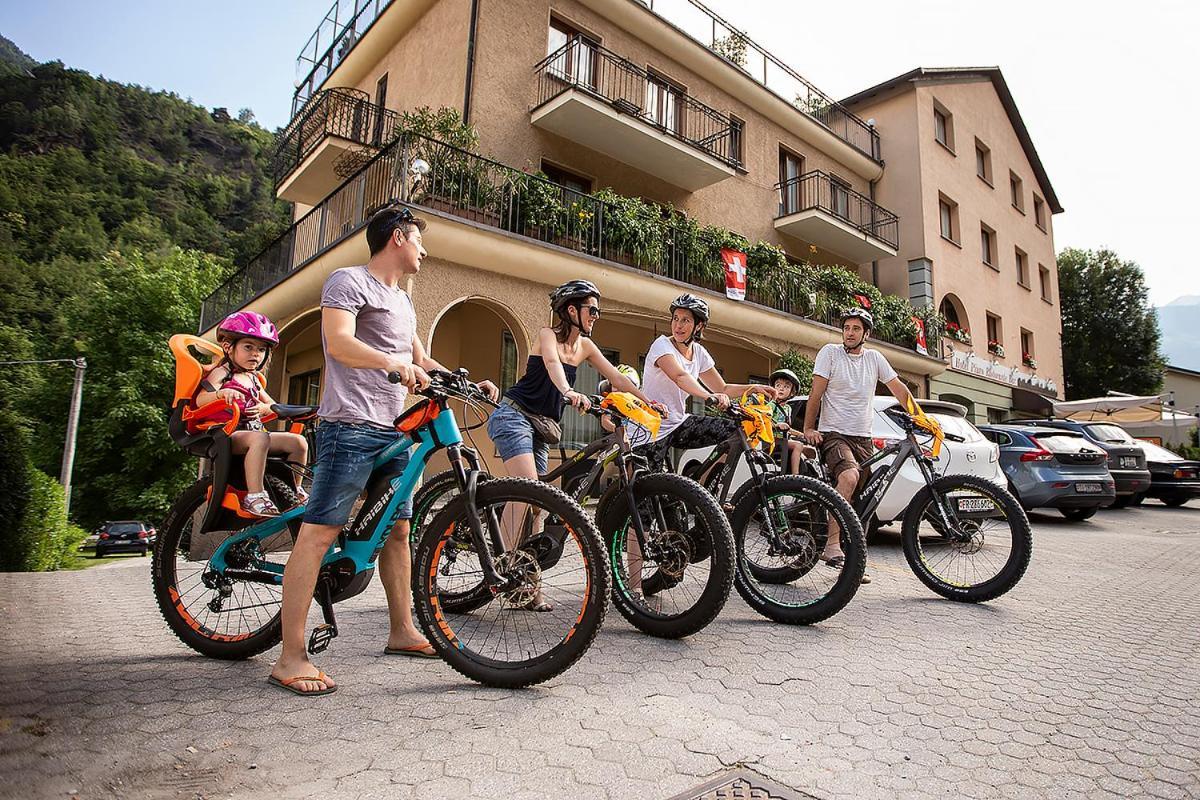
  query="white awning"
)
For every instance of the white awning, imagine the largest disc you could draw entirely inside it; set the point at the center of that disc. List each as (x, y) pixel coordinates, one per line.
(1114, 408)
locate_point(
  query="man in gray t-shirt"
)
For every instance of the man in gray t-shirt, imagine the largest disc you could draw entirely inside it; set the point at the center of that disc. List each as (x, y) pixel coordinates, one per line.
(844, 381)
(368, 329)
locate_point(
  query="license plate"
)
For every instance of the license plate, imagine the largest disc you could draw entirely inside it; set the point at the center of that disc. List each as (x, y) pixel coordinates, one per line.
(974, 504)
(1089, 488)
(1128, 462)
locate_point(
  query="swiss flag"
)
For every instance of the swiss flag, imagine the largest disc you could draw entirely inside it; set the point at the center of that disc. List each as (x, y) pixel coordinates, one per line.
(735, 274)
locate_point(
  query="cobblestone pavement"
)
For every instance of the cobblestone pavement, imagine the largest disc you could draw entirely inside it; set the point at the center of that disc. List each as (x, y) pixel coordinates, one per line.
(1084, 682)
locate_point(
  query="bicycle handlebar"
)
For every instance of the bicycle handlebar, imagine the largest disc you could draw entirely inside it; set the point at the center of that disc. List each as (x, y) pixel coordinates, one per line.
(445, 383)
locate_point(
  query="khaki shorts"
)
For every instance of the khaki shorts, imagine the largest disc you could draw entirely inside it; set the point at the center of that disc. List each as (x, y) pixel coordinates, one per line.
(840, 453)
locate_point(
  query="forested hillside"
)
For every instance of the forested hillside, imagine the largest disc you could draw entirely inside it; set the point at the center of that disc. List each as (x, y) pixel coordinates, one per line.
(120, 208)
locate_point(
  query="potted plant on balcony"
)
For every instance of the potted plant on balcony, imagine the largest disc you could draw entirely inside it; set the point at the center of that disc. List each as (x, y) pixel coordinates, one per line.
(1029, 361)
(540, 212)
(634, 230)
(995, 348)
(958, 333)
(732, 48)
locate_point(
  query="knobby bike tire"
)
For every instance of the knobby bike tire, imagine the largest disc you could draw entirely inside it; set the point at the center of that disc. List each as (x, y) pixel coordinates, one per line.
(163, 578)
(1019, 530)
(714, 542)
(750, 580)
(444, 485)
(433, 615)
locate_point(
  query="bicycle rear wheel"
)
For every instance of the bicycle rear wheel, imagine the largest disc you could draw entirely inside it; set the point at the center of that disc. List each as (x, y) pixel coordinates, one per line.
(779, 543)
(503, 642)
(214, 615)
(681, 582)
(985, 551)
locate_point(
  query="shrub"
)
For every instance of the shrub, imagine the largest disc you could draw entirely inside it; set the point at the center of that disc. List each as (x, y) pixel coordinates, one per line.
(800, 364)
(50, 536)
(634, 226)
(14, 499)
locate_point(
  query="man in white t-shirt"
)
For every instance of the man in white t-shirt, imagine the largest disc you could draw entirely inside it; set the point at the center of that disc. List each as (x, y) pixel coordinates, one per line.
(844, 381)
(678, 366)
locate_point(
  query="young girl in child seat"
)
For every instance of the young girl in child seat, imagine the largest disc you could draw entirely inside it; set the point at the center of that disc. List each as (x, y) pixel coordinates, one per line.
(247, 338)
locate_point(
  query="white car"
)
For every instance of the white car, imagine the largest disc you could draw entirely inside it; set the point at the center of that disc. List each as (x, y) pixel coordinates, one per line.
(975, 455)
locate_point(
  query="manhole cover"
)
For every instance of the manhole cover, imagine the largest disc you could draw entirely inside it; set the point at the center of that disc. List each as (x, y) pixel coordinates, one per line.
(742, 784)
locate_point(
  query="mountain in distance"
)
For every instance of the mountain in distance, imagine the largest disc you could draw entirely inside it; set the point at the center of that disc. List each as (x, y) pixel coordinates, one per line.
(1179, 322)
(14, 60)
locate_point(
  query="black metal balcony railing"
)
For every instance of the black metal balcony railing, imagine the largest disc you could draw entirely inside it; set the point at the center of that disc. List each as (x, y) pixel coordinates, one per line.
(343, 25)
(346, 113)
(588, 67)
(697, 21)
(491, 194)
(818, 190)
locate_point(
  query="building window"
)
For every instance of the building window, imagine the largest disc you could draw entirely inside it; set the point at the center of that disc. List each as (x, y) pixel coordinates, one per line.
(1044, 278)
(577, 64)
(1027, 354)
(1022, 268)
(943, 126)
(305, 389)
(948, 218)
(380, 104)
(567, 179)
(1039, 212)
(983, 162)
(664, 101)
(791, 167)
(508, 360)
(839, 192)
(995, 334)
(737, 134)
(1018, 194)
(987, 245)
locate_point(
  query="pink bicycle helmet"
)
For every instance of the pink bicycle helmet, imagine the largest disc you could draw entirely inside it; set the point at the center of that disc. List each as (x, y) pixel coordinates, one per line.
(248, 324)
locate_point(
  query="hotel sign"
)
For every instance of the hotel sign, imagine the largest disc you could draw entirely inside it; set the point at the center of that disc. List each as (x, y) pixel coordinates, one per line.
(967, 361)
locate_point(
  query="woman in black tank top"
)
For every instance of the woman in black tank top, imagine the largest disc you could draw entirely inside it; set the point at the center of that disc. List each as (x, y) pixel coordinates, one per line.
(549, 379)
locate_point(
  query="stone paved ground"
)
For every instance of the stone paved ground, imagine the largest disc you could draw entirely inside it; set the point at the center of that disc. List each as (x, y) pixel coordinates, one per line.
(1085, 682)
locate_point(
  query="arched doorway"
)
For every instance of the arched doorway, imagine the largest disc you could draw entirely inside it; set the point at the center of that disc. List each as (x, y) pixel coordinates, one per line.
(298, 363)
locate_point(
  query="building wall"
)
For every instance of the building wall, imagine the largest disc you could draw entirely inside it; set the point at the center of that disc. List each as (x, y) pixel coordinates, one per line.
(912, 189)
(1186, 385)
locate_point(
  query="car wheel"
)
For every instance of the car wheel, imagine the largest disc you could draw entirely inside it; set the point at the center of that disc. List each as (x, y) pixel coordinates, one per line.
(1137, 499)
(1122, 501)
(1174, 502)
(1078, 514)
(98, 554)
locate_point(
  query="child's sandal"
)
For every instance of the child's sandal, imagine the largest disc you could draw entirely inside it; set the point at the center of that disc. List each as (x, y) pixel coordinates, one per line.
(259, 505)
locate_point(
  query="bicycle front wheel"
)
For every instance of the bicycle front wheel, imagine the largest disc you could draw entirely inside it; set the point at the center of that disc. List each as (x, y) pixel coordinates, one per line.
(984, 551)
(433, 496)
(781, 534)
(542, 623)
(680, 581)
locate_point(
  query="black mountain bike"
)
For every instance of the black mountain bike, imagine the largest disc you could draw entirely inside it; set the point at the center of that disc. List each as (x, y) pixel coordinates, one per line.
(672, 561)
(781, 524)
(965, 537)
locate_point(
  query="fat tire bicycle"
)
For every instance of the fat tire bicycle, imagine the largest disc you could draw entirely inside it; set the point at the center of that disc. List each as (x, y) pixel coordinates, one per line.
(226, 603)
(672, 562)
(964, 537)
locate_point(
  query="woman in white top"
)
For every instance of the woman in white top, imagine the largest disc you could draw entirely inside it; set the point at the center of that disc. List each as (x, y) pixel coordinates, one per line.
(679, 366)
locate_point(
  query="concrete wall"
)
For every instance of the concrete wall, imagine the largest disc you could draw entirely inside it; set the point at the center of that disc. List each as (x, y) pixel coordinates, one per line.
(911, 186)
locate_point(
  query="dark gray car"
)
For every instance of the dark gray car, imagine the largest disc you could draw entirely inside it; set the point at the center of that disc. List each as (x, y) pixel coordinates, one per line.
(1126, 461)
(1051, 468)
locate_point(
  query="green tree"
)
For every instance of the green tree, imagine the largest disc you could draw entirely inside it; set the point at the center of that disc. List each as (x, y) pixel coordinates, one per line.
(1110, 338)
(14, 499)
(800, 364)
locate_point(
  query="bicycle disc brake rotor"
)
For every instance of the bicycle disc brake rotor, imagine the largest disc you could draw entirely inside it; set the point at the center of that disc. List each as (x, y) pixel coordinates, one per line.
(969, 538)
(523, 566)
(797, 549)
(674, 553)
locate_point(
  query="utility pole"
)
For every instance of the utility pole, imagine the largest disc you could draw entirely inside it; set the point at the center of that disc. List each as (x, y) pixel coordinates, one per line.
(68, 459)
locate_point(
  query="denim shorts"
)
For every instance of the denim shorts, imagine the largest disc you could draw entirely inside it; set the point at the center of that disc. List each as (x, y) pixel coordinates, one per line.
(346, 454)
(514, 436)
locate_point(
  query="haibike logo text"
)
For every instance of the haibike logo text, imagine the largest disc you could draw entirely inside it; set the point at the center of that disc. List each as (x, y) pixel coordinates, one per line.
(367, 525)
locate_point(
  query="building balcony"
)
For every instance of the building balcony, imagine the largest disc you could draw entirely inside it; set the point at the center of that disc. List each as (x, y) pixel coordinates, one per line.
(820, 210)
(331, 137)
(494, 217)
(598, 99)
(343, 25)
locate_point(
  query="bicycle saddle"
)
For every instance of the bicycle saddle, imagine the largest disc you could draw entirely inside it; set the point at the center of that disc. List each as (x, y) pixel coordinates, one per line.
(289, 411)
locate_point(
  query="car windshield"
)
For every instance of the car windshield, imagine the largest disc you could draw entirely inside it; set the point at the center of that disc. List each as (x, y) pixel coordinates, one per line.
(1112, 434)
(1156, 453)
(1066, 443)
(124, 527)
(959, 427)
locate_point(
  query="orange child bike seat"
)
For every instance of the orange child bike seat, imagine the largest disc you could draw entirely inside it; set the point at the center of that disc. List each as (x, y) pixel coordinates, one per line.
(189, 372)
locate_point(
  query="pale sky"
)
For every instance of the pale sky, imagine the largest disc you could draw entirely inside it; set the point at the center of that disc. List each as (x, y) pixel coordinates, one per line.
(1102, 86)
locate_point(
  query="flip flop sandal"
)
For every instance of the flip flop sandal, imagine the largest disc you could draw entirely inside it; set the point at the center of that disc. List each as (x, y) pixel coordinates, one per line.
(412, 651)
(290, 684)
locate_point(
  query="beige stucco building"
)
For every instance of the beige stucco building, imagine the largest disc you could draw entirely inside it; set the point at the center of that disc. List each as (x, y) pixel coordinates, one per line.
(659, 100)
(976, 233)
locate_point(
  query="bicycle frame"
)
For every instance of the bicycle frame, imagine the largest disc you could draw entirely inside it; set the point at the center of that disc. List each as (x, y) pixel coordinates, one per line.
(358, 547)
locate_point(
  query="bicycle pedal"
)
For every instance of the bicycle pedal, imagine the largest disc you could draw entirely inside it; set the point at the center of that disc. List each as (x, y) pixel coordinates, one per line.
(321, 636)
